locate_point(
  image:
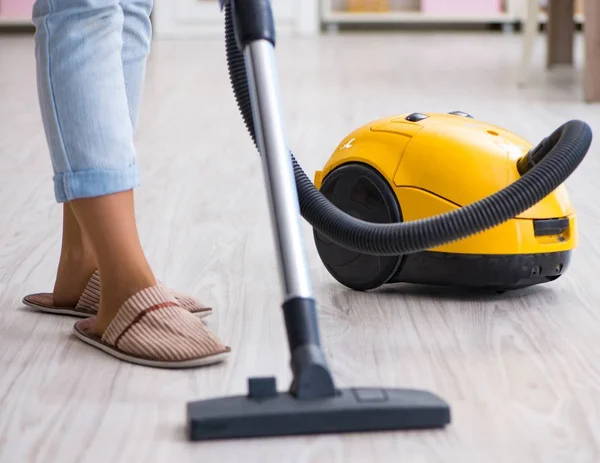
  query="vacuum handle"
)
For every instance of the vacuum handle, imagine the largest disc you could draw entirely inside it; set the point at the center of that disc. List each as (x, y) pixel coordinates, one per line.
(253, 21)
(250, 37)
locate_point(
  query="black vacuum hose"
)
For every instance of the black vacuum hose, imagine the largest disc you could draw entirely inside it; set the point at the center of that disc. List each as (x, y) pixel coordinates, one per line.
(544, 169)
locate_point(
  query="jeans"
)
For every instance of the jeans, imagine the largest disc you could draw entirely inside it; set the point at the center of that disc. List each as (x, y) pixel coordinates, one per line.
(91, 64)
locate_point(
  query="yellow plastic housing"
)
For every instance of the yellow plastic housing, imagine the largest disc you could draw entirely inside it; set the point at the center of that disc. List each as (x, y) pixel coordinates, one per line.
(447, 161)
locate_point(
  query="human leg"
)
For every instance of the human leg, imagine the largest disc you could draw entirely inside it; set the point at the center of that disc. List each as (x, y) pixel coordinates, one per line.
(88, 125)
(77, 48)
(77, 265)
(83, 97)
(76, 269)
(109, 222)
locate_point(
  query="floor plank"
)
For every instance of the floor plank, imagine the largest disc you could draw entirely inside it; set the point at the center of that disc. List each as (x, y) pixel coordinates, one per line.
(519, 369)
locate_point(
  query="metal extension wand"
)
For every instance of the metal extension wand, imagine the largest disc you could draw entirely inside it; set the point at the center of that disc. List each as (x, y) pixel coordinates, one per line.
(313, 404)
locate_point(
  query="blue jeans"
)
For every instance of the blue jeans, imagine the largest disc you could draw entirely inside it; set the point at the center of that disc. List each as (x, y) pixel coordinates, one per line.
(91, 64)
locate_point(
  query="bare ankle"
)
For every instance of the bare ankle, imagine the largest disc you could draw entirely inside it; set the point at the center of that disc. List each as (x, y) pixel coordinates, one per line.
(77, 254)
(75, 268)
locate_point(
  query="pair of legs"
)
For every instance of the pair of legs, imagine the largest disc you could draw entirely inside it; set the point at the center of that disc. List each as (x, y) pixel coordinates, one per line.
(91, 62)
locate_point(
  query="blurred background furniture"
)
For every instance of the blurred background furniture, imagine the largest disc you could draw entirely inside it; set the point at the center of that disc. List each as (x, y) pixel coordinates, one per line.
(202, 18)
(15, 12)
(562, 16)
(348, 12)
(592, 51)
(191, 18)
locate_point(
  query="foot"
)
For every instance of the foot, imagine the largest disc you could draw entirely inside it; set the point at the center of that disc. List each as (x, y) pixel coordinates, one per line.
(116, 289)
(89, 301)
(152, 329)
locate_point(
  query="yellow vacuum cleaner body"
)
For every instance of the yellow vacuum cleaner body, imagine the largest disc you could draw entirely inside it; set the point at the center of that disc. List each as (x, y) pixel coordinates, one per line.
(414, 166)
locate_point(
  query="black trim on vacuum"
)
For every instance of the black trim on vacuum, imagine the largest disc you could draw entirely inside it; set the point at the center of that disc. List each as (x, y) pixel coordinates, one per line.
(550, 227)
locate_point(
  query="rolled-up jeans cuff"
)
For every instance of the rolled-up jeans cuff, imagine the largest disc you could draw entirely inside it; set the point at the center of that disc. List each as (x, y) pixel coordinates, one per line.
(92, 183)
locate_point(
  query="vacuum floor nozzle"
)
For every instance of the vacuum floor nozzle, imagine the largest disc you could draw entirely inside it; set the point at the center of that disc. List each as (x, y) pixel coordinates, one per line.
(264, 412)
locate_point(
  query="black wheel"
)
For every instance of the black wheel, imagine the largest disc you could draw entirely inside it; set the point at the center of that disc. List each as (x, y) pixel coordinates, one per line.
(362, 192)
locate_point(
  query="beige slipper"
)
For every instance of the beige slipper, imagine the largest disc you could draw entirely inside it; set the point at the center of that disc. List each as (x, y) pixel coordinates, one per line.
(152, 329)
(88, 303)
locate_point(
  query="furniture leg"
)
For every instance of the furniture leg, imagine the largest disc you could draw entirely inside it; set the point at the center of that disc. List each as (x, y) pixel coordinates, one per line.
(592, 51)
(529, 35)
(560, 32)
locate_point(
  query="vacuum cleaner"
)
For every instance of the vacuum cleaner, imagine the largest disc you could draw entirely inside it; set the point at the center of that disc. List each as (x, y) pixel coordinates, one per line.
(417, 190)
(410, 167)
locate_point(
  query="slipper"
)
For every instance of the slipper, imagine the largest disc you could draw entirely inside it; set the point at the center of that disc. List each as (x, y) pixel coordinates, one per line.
(88, 303)
(152, 329)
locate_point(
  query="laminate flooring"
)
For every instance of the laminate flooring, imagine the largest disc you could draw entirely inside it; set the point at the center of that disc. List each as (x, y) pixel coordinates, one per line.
(521, 370)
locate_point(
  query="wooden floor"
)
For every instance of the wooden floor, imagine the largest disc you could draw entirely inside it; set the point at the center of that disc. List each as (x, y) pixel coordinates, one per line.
(521, 370)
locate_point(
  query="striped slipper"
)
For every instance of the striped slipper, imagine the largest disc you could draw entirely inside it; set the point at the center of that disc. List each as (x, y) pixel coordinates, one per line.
(152, 329)
(88, 303)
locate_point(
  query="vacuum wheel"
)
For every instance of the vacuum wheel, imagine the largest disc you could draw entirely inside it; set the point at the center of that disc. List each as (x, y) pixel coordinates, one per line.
(361, 192)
